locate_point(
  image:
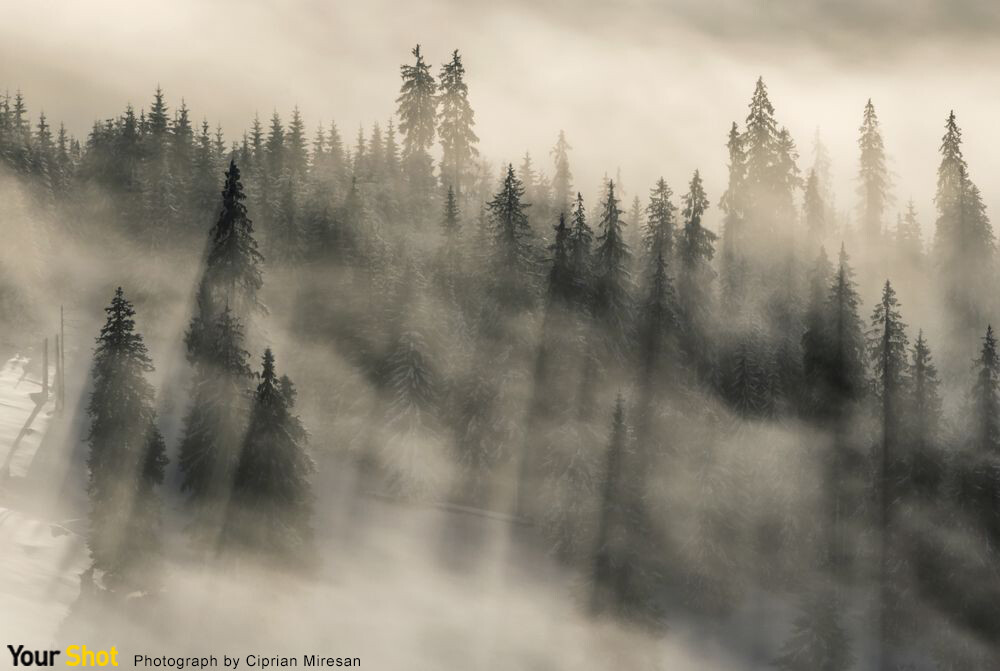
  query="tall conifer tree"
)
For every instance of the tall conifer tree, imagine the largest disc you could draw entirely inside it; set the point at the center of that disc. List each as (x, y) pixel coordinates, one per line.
(456, 121)
(127, 455)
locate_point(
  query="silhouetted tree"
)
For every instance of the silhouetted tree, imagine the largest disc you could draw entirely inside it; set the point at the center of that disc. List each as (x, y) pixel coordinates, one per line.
(271, 504)
(455, 125)
(127, 456)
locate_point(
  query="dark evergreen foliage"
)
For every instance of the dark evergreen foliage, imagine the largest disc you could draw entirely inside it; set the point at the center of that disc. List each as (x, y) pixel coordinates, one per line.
(270, 507)
(127, 456)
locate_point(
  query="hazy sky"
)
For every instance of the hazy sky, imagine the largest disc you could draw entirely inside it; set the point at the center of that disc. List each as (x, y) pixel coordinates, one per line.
(650, 87)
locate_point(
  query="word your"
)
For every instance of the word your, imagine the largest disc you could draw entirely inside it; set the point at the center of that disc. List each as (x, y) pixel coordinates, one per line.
(78, 655)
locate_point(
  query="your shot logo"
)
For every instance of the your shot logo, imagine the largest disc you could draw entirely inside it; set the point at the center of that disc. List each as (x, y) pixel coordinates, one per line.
(75, 655)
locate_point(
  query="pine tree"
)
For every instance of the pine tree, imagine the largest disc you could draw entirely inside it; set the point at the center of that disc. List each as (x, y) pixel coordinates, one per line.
(818, 641)
(634, 226)
(873, 178)
(658, 234)
(562, 181)
(271, 505)
(203, 194)
(986, 396)
(455, 125)
(923, 423)
(611, 561)
(963, 239)
(181, 145)
(451, 242)
(391, 159)
(696, 248)
(410, 416)
(822, 166)
(766, 191)
(746, 383)
(658, 329)
(274, 149)
(611, 298)
(160, 208)
(216, 422)
(127, 456)
(623, 580)
(581, 240)
(296, 154)
(979, 477)
(844, 374)
(417, 110)
(158, 124)
(232, 276)
(64, 166)
(815, 211)
(761, 142)
(733, 204)
(285, 236)
(376, 155)
(417, 105)
(513, 256)
(887, 345)
(526, 173)
(909, 242)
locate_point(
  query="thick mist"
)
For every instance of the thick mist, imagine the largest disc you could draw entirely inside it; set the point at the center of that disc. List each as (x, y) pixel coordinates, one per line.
(675, 425)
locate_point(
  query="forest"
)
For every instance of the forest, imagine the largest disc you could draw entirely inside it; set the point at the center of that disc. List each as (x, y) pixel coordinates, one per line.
(781, 433)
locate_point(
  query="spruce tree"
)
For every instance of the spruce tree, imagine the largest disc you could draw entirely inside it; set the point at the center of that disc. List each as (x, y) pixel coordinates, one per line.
(696, 248)
(296, 154)
(816, 341)
(274, 151)
(979, 484)
(513, 256)
(451, 241)
(127, 456)
(909, 240)
(658, 234)
(160, 208)
(923, 421)
(411, 410)
(455, 125)
(202, 195)
(526, 173)
(611, 297)
(823, 167)
(963, 240)
(618, 580)
(562, 280)
(417, 110)
(747, 386)
(657, 332)
(216, 422)
(873, 178)
(986, 396)
(844, 373)
(285, 236)
(232, 275)
(733, 205)
(814, 211)
(271, 504)
(562, 180)
(581, 240)
(158, 124)
(181, 146)
(887, 345)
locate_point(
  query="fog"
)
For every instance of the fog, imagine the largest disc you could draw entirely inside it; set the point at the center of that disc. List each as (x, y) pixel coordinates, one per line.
(664, 438)
(648, 87)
